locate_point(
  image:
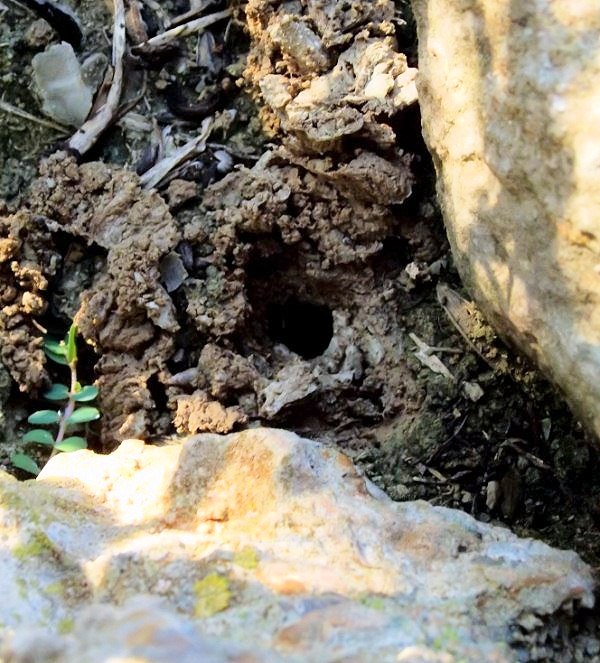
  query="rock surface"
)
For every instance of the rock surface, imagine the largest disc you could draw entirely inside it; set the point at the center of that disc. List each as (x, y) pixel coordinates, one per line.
(262, 546)
(510, 98)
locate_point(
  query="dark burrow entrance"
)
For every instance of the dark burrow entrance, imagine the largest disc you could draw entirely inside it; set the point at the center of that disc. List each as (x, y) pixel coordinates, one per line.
(303, 327)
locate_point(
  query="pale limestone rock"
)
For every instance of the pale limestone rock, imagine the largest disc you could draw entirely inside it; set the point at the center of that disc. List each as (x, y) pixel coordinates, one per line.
(147, 630)
(259, 546)
(510, 99)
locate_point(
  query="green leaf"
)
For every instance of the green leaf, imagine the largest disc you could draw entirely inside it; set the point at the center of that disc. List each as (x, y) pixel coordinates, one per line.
(57, 392)
(24, 462)
(87, 393)
(73, 443)
(58, 358)
(39, 436)
(44, 417)
(56, 347)
(71, 344)
(83, 415)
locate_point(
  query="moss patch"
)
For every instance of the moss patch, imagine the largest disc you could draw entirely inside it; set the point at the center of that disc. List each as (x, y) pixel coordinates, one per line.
(65, 625)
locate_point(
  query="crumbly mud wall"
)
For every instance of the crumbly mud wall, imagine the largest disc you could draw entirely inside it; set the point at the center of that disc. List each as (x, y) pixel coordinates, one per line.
(280, 252)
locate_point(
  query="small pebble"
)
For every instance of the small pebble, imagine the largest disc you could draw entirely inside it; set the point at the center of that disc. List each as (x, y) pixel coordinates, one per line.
(39, 34)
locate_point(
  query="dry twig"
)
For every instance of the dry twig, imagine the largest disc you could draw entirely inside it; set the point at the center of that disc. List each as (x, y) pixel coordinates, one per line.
(136, 28)
(425, 355)
(459, 312)
(157, 173)
(196, 8)
(190, 28)
(15, 110)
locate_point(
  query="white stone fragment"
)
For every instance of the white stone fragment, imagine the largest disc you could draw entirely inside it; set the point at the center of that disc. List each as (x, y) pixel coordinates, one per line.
(57, 75)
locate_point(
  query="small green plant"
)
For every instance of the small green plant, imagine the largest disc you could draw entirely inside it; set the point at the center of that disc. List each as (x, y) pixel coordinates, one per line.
(68, 418)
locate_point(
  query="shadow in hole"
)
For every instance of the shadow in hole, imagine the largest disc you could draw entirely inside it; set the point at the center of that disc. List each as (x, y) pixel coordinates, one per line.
(305, 328)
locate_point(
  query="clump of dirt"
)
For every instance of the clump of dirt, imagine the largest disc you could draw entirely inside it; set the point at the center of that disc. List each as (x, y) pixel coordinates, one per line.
(27, 262)
(315, 222)
(125, 313)
(290, 242)
(325, 72)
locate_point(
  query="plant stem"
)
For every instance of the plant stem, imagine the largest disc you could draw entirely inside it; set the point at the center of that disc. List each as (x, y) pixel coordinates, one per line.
(68, 410)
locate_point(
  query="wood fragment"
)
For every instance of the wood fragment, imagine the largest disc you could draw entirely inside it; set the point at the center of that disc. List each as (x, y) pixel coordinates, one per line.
(157, 173)
(425, 355)
(87, 135)
(438, 475)
(513, 443)
(459, 312)
(136, 28)
(193, 12)
(166, 38)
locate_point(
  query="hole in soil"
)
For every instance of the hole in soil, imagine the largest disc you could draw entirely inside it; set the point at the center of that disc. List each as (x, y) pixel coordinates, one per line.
(158, 393)
(305, 328)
